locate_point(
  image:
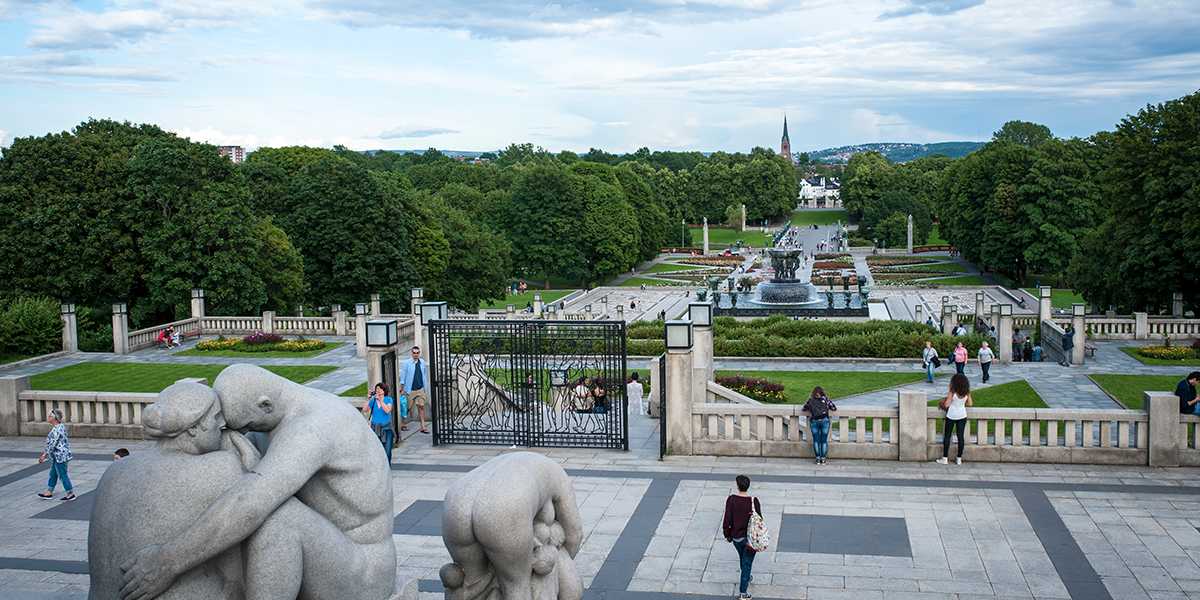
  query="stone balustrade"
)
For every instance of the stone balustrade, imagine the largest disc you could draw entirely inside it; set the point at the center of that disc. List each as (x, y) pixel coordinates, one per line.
(736, 429)
(231, 325)
(1174, 327)
(1040, 435)
(304, 325)
(148, 337)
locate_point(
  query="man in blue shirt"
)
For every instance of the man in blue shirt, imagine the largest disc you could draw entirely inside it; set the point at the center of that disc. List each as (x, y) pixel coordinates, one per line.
(414, 381)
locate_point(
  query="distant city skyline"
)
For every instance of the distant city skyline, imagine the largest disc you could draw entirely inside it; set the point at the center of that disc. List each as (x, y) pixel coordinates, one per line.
(618, 75)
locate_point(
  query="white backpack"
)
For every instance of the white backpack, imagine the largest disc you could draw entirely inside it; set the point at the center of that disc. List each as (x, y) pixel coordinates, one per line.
(757, 536)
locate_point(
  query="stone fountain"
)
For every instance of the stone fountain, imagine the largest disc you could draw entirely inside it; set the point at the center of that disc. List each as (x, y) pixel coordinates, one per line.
(790, 282)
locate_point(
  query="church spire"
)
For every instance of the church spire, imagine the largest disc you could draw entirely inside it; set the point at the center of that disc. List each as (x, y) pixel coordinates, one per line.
(785, 145)
(785, 135)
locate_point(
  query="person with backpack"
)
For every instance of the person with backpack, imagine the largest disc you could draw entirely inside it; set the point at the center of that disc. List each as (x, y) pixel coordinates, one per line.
(743, 527)
(818, 408)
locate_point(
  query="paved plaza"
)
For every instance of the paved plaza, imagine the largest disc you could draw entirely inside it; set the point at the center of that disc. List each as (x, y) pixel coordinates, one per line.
(850, 529)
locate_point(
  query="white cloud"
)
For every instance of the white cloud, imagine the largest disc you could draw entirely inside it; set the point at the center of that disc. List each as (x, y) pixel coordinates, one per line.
(47, 66)
(414, 132)
(3, 138)
(131, 22)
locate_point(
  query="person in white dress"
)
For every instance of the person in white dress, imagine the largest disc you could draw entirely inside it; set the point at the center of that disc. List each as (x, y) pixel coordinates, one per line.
(633, 391)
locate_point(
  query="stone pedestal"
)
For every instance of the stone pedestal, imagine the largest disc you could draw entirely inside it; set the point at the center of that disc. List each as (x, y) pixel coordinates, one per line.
(339, 323)
(743, 226)
(1045, 307)
(656, 384)
(909, 245)
(376, 372)
(197, 303)
(10, 406)
(949, 319)
(538, 306)
(1163, 409)
(1177, 304)
(979, 314)
(913, 431)
(702, 362)
(360, 335)
(120, 327)
(70, 332)
(375, 310)
(706, 236)
(1141, 326)
(268, 321)
(919, 313)
(679, 402)
(1004, 333)
(1080, 325)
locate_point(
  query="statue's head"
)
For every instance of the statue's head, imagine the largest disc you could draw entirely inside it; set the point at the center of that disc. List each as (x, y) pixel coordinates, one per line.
(250, 397)
(188, 412)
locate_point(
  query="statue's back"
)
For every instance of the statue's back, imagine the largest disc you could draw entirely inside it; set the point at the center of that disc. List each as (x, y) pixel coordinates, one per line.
(148, 498)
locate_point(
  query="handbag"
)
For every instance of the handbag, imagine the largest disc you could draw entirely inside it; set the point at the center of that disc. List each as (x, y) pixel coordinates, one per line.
(935, 361)
(757, 536)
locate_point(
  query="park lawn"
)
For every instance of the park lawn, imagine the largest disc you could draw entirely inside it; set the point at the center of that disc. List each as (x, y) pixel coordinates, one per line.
(935, 237)
(820, 217)
(1059, 298)
(798, 385)
(358, 391)
(148, 377)
(272, 354)
(1127, 389)
(1014, 394)
(946, 267)
(638, 281)
(962, 280)
(520, 300)
(722, 236)
(1146, 360)
(669, 267)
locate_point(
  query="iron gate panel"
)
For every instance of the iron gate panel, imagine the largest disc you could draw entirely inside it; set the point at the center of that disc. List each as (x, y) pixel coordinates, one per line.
(517, 383)
(662, 406)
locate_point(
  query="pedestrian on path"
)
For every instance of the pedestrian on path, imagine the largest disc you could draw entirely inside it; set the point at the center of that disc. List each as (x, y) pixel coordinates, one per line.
(818, 408)
(957, 399)
(1068, 344)
(414, 379)
(985, 360)
(1189, 403)
(58, 452)
(929, 358)
(960, 358)
(379, 409)
(633, 391)
(734, 526)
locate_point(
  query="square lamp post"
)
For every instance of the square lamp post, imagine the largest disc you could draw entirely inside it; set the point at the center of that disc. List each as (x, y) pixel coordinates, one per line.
(678, 334)
(120, 308)
(700, 314)
(551, 310)
(66, 308)
(360, 308)
(381, 333)
(433, 311)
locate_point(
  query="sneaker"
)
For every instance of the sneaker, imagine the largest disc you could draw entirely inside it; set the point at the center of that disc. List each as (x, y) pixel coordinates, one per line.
(45, 496)
(958, 461)
(70, 496)
(942, 461)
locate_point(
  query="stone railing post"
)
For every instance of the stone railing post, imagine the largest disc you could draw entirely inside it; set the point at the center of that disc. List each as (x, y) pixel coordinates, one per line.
(1045, 306)
(656, 384)
(120, 321)
(1004, 333)
(339, 322)
(680, 397)
(918, 313)
(537, 305)
(360, 330)
(1080, 325)
(949, 318)
(70, 332)
(197, 303)
(1141, 326)
(913, 432)
(706, 236)
(1177, 304)
(10, 404)
(375, 310)
(268, 321)
(978, 306)
(1163, 411)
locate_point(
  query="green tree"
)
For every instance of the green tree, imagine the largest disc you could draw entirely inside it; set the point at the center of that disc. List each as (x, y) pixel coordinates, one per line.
(1024, 133)
(892, 230)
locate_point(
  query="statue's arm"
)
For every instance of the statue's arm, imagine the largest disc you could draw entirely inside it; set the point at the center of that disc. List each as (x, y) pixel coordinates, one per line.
(290, 462)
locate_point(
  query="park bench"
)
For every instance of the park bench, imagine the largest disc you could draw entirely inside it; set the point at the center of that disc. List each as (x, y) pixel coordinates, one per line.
(1089, 350)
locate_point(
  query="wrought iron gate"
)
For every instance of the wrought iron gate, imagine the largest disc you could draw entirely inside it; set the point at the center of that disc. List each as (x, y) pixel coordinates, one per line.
(529, 383)
(662, 406)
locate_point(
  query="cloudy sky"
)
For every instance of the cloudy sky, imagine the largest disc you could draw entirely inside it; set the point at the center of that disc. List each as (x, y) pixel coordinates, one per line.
(569, 74)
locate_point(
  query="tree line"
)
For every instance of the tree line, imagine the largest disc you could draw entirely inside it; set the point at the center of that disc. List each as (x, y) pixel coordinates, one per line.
(120, 212)
(1112, 215)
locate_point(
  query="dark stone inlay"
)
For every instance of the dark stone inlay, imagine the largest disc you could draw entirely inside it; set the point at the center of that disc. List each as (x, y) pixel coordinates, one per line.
(834, 534)
(617, 570)
(23, 473)
(422, 517)
(1076, 573)
(42, 564)
(79, 509)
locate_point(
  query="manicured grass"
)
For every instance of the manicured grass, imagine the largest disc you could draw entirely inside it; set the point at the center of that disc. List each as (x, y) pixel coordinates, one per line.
(935, 236)
(358, 391)
(669, 267)
(819, 217)
(520, 300)
(947, 267)
(638, 281)
(1014, 394)
(272, 354)
(726, 237)
(1128, 389)
(1059, 298)
(1145, 360)
(147, 377)
(963, 280)
(797, 385)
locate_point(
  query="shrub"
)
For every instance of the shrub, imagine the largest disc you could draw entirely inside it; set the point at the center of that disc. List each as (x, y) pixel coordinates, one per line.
(243, 345)
(94, 327)
(762, 390)
(645, 347)
(1167, 352)
(259, 337)
(30, 327)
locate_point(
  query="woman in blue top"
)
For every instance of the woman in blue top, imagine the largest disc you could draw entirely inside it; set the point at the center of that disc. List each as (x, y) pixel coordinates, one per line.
(379, 408)
(58, 452)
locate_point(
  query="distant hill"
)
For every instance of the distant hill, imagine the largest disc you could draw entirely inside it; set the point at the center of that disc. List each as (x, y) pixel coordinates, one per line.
(895, 151)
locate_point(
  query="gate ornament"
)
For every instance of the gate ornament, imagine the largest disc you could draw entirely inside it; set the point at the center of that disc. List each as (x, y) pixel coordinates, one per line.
(512, 528)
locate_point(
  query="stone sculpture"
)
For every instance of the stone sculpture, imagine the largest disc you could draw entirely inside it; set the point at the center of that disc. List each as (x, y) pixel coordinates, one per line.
(512, 529)
(313, 517)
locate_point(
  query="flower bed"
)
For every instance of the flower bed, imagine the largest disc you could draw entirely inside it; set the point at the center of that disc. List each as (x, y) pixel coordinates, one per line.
(831, 264)
(759, 389)
(825, 277)
(835, 256)
(897, 260)
(713, 261)
(1168, 352)
(260, 342)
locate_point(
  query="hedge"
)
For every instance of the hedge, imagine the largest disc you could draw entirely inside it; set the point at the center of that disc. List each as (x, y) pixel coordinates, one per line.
(30, 326)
